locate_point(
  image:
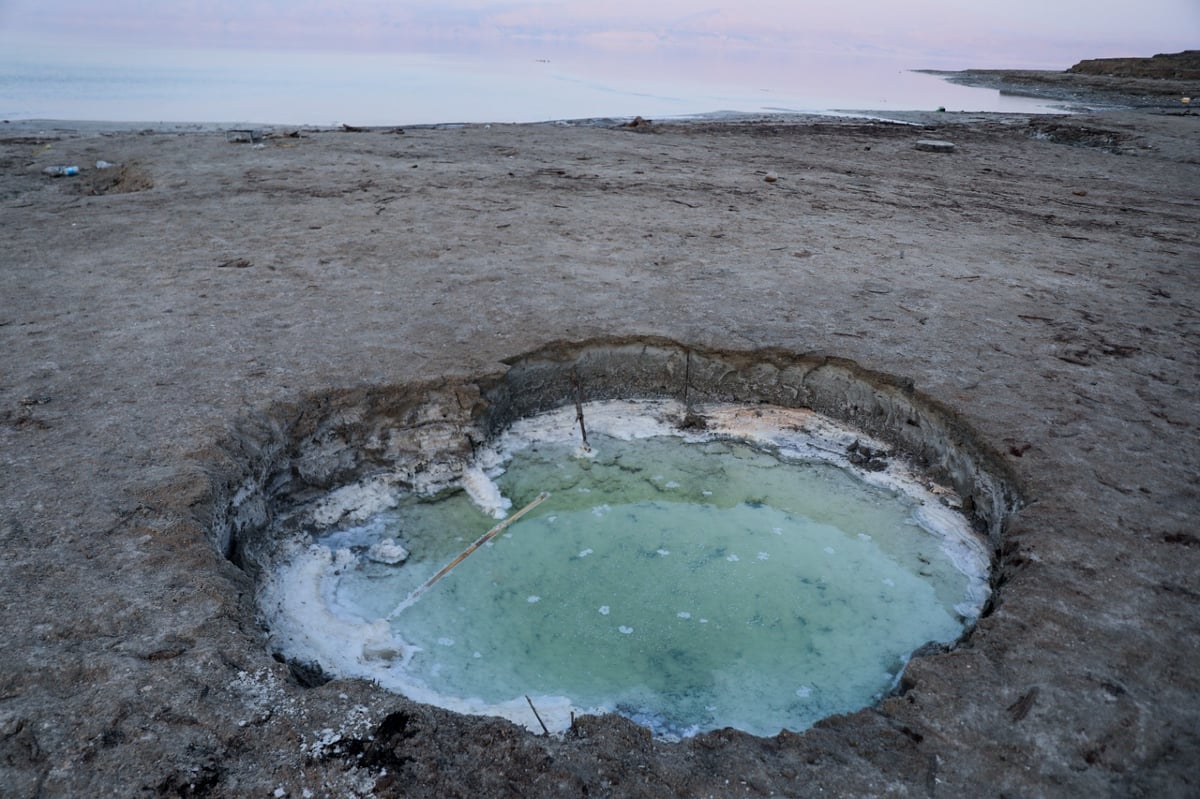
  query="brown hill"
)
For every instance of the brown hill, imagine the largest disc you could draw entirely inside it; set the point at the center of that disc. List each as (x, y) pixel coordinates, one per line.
(1177, 66)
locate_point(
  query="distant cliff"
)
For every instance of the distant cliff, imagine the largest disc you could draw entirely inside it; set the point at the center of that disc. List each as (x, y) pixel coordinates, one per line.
(1177, 66)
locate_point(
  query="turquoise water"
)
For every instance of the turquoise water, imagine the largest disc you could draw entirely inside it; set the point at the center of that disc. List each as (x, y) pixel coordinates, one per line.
(687, 586)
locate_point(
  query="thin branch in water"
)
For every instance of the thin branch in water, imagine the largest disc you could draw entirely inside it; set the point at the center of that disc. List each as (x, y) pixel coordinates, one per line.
(575, 384)
(483, 539)
(537, 715)
(687, 384)
(691, 420)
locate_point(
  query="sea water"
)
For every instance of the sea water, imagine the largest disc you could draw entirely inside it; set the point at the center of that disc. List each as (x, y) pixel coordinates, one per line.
(689, 582)
(57, 80)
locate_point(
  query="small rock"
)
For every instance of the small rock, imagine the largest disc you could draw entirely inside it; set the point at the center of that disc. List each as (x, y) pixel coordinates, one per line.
(771, 177)
(387, 551)
(935, 146)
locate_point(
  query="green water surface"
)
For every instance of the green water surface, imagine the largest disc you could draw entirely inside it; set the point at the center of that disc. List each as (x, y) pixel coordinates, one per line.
(687, 586)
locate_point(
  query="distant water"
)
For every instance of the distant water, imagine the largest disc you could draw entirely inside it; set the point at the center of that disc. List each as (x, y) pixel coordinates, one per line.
(141, 85)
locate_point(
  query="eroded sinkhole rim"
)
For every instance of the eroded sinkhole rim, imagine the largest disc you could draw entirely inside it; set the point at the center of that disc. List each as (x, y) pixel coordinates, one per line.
(727, 511)
(431, 431)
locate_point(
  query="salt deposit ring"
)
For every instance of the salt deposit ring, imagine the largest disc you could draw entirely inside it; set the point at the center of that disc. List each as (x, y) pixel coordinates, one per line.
(351, 443)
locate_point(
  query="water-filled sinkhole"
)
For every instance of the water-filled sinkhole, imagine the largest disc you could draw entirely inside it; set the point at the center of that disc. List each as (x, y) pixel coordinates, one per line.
(761, 570)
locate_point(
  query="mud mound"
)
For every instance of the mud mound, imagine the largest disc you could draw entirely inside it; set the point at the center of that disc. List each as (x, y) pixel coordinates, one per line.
(115, 180)
(1110, 141)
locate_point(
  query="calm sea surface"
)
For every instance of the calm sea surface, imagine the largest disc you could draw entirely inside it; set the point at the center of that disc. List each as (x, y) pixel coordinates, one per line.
(141, 85)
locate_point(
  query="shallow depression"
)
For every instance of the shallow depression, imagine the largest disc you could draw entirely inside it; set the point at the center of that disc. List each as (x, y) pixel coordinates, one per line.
(746, 574)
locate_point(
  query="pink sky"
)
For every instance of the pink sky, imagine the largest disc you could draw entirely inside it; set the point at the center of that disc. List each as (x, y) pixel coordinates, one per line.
(1034, 33)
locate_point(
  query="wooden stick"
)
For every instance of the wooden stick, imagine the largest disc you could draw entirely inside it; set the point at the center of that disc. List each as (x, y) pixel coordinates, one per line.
(537, 715)
(579, 408)
(483, 539)
(687, 384)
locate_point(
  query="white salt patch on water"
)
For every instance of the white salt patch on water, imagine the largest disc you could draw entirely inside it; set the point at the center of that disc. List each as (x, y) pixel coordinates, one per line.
(707, 493)
(672, 484)
(533, 599)
(804, 691)
(625, 630)
(967, 551)
(664, 552)
(733, 558)
(307, 622)
(585, 552)
(764, 556)
(830, 551)
(889, 582)
(604, 610)
(864, 537)
(366, 534)
(968, 610)
(387, 551)
(683, 614)
(446, 641)
(704, 621)
(484, 492)
(600, 510)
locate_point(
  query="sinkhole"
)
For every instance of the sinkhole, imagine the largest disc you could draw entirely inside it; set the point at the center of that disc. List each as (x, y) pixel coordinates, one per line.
(691, 539)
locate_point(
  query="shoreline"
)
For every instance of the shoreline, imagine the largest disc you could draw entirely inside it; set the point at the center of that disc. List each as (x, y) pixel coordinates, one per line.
(1074, 93)
(1087, 93)
(95, 127)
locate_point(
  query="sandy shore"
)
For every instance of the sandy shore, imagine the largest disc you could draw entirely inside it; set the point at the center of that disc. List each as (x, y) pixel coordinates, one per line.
(1039, 283)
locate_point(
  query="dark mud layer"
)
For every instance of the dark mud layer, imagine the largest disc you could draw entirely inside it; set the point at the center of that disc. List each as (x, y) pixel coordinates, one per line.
(1039, 293)
(299, 452)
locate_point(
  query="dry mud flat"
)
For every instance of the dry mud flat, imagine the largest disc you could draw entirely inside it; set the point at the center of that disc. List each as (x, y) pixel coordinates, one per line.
(214, 311)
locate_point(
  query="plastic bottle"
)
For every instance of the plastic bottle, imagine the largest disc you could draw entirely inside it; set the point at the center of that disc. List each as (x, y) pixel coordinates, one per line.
(61, 171)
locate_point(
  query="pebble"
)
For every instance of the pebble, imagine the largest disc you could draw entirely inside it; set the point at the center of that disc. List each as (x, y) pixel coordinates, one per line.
(935, 146)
